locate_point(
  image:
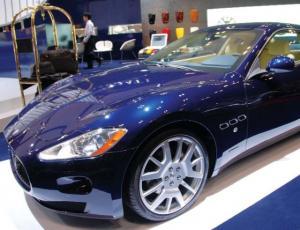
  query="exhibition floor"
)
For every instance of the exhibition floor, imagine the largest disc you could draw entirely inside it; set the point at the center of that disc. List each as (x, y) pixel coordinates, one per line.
(261, 192)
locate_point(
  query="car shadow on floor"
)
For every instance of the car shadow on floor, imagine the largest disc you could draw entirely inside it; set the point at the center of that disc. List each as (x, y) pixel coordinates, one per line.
(51, 220)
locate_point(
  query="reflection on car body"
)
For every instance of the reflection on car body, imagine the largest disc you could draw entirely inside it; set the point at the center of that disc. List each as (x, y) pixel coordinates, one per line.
(149, 134)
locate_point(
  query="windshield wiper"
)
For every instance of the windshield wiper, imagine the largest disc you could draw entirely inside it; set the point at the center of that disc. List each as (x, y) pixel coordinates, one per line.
(181, 67)
(160, 63)
(166, 64)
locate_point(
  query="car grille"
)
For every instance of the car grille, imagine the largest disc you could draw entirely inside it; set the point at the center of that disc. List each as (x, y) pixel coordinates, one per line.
(20, 173)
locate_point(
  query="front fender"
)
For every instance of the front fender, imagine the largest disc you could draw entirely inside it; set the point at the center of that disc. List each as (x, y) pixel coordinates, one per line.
(143, 116)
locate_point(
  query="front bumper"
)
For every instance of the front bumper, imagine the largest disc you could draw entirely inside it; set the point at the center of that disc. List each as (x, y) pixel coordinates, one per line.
(89, 188)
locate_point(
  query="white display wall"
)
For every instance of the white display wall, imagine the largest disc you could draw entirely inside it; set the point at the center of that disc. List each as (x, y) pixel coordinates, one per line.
(8, 8)
(272, 13)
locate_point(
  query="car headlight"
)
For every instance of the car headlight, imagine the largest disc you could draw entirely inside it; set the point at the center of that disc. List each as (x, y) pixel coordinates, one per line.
(90, 144)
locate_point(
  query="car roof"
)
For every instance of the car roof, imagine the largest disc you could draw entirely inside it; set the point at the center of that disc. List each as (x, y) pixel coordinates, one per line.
(257, 25)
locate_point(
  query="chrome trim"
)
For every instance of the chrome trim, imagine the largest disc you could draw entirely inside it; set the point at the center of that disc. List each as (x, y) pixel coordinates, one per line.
(242, 117)
(233, 122)
(224, 126)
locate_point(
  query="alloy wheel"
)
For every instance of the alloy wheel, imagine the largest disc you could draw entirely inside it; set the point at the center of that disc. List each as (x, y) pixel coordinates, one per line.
(172, 175)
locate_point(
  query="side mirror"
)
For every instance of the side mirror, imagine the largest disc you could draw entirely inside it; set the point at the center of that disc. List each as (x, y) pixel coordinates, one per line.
(281, 64)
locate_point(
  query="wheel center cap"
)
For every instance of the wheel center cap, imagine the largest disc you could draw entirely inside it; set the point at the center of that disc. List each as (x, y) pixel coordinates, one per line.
(173, 176)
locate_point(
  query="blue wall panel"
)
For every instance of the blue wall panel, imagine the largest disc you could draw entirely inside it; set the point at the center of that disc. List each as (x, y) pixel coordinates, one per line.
(7, 59)
(115, 12)
(74, 7)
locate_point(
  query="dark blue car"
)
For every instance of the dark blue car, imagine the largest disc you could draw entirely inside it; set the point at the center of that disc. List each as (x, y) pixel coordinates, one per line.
(146, 136)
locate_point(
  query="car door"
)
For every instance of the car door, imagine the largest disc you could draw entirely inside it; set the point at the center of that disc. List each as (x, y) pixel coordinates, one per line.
(273, 97)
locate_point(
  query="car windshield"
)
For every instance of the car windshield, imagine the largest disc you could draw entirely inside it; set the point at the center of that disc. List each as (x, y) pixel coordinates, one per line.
(208, 51)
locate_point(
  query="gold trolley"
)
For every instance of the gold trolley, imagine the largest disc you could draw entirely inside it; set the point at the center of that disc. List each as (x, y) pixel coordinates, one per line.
(43, 8)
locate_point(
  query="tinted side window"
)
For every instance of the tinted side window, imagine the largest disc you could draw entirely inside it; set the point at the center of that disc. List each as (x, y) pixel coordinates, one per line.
(286, 43)
(295, 46)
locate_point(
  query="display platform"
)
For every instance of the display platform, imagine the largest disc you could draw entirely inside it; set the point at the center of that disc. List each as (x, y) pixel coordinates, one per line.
(261, 190)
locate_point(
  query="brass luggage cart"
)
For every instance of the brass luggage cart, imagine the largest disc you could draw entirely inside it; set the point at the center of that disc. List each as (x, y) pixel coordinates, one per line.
(32, 47)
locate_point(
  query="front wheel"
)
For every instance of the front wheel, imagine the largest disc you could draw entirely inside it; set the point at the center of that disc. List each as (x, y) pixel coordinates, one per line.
(168, 176)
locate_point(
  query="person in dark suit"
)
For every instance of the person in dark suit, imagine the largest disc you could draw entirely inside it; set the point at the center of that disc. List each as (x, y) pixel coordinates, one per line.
(89, 41)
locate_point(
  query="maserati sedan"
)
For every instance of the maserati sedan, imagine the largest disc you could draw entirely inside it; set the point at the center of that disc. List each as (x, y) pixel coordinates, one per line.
(146, 136)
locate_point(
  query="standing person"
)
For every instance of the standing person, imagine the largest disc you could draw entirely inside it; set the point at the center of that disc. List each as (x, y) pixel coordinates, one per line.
(89, 41)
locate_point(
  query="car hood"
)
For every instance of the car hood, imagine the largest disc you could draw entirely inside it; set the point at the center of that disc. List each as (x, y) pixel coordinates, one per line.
(67, 104)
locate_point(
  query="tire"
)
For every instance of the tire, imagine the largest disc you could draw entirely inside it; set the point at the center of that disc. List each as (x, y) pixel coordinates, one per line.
(176, 177)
